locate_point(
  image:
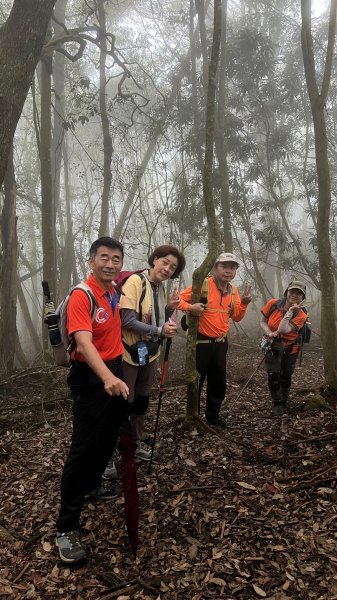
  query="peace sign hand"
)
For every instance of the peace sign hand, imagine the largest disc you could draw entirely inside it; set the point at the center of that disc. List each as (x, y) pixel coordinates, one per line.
(294, 307)
(246, 296)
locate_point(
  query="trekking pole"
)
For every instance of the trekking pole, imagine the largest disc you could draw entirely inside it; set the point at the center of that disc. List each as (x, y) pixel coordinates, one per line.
(50, 318)
(301, 353)
(266, 345)
(46, 290)
(161, 394)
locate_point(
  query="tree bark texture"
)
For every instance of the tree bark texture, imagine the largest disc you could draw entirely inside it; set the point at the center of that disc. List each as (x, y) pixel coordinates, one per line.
(220, 144)
(213, 229)
(8, 271)
(107, 140)
(317, 102)
(21, 41)
(197, 116)
(47, 198)
(58, 110)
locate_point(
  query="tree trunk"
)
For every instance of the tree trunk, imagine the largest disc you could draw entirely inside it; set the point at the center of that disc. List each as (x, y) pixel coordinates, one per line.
(317, 102)
(107, 141)
(48, 208)
(21, 41)
(220, 145)
(8, 270)
(27, 319)
(213, 229)
(200, 8)
(58, 111)
(197, 118)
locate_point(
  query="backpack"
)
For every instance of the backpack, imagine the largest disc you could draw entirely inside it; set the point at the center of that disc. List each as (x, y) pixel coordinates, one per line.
(123, 277)
(62, 344)
(204, 300)
(303, 334)
(152, 346)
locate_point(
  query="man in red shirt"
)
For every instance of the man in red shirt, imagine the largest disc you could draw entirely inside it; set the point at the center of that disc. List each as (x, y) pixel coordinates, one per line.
(98, 392)
(223, 302)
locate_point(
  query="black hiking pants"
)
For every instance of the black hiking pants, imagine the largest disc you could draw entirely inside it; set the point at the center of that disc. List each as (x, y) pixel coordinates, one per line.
(97, 419)
(280, 366)
(211, 364)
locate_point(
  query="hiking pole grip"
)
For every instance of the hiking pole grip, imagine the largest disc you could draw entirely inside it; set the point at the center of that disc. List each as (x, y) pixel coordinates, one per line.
(46, 290)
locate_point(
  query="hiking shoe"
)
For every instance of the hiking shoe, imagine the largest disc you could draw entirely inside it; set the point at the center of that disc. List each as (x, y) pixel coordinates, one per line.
(110, 471)
(279, 409)
(102, 493)
(217, 421)
(70, 547)
(142, 453)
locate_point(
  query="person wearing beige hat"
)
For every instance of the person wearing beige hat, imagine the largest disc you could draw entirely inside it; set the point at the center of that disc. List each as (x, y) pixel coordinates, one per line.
(221, 301)
(281, 321)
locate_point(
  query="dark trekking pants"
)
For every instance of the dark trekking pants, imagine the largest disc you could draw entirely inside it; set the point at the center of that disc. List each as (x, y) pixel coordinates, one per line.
(139, 381)
(280, 366)
(97, 419)
(211, 364)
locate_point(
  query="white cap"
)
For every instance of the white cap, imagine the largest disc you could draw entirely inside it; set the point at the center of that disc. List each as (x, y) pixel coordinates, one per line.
(227, 257)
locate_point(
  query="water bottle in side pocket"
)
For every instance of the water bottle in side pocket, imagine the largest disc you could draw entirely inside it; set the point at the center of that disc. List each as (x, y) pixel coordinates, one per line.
(143, 355)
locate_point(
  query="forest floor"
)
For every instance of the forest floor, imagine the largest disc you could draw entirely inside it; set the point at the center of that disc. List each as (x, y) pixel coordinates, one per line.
(244, 512)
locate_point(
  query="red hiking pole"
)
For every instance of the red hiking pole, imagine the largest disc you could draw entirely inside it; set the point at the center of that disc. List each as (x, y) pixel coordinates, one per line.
(161, 394)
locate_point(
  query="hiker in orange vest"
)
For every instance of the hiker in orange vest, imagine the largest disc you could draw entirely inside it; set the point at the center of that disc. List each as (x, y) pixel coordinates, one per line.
(281, 321)
(220, 301)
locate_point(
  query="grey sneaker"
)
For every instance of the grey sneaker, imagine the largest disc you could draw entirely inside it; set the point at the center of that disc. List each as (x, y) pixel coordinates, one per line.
(70, 547)
(102, 493)
(142, 452)
(110, 471)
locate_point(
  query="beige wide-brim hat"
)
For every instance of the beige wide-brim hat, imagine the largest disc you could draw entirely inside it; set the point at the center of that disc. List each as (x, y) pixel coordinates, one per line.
(227, 257)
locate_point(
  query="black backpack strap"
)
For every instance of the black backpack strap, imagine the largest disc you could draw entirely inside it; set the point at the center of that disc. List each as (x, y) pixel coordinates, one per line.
(142, 295)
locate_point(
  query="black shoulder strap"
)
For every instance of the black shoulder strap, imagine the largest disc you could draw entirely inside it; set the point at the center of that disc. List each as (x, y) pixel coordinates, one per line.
(142, 295)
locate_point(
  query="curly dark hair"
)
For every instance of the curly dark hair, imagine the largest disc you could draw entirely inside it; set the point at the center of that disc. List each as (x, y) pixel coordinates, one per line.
(165, 250)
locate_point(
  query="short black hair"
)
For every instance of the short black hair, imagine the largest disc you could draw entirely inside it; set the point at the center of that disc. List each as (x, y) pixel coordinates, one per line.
(165, 250)
(107, 241)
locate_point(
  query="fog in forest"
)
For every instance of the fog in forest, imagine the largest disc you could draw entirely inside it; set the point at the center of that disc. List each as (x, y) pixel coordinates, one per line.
(111, 141)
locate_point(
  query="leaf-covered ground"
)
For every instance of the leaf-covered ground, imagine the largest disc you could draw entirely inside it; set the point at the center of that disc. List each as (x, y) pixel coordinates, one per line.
(238, 513)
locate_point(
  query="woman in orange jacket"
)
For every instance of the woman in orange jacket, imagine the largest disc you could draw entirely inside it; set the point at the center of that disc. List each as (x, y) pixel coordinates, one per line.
(281, 321)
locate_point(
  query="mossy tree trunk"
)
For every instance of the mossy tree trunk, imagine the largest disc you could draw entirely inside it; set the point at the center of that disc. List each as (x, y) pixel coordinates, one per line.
(213, 229)
(317, 101)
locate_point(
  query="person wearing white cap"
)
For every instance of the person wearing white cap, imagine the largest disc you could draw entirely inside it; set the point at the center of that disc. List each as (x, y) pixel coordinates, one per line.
(282, 320)
(220, 301)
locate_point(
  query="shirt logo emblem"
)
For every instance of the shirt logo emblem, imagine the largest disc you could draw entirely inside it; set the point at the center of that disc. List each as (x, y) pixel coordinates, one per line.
(101, 315)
